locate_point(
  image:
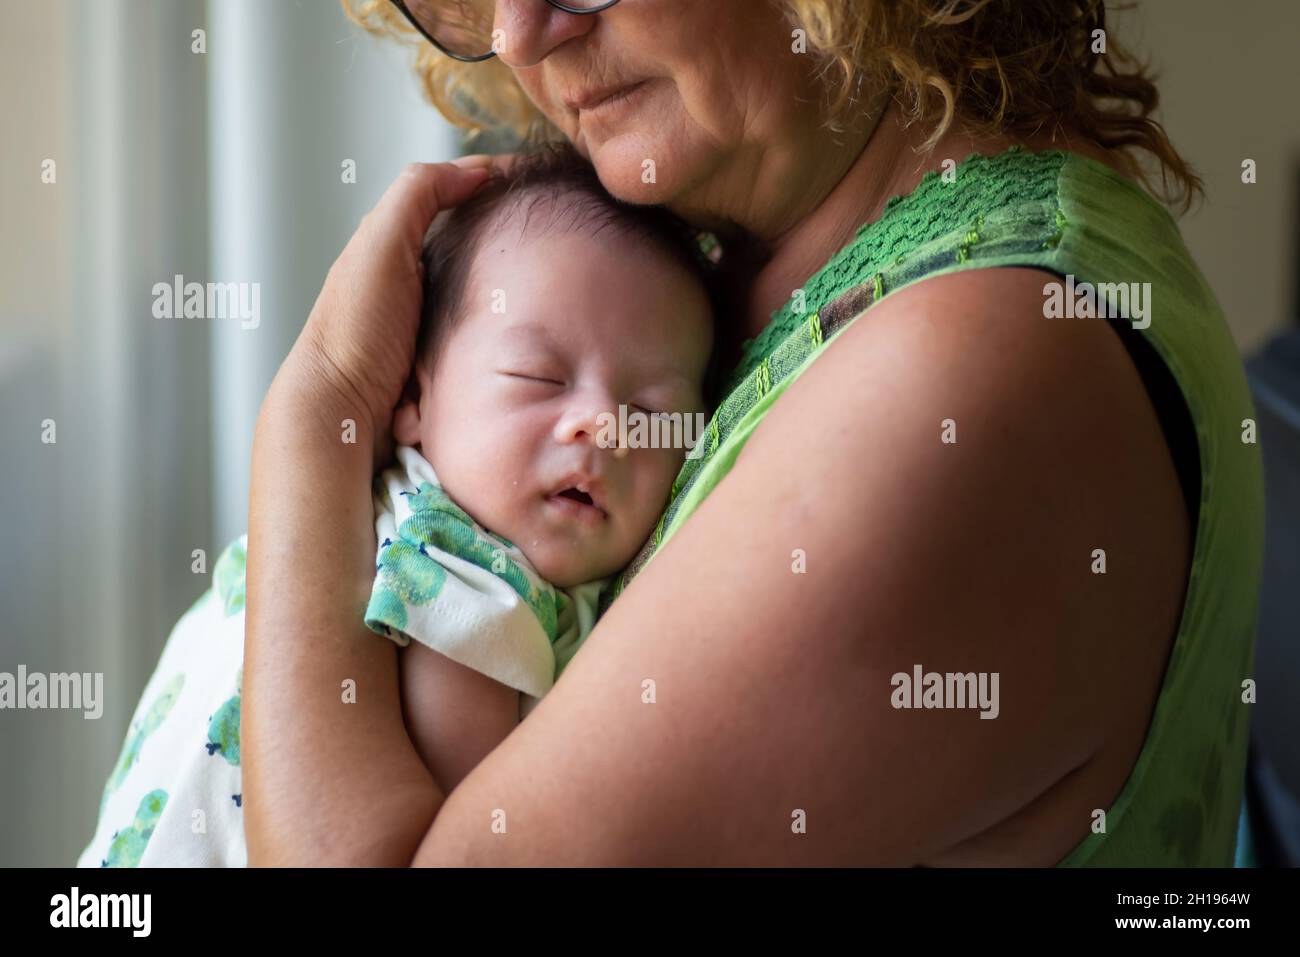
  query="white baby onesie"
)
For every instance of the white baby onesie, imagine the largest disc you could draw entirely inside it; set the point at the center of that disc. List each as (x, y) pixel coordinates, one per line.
(174, 797)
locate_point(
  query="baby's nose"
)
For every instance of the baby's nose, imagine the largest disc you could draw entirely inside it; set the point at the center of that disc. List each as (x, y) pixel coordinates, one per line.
(590, 419)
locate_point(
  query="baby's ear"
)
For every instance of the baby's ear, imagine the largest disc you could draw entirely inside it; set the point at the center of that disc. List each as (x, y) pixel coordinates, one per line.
(406, 417)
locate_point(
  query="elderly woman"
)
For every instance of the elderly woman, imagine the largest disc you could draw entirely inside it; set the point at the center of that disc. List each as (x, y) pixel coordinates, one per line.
(1042, 475)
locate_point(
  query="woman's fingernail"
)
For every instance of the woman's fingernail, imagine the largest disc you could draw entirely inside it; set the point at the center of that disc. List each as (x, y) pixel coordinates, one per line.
(473, 161)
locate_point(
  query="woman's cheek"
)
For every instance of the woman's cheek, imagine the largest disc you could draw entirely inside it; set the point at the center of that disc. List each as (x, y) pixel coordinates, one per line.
(534, 86)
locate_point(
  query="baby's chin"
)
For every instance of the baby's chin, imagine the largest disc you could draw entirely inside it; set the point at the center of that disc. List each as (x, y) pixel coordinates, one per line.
(562, 569)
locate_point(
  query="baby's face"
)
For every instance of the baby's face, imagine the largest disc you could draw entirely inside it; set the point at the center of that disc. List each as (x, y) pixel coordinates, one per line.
(558, 329)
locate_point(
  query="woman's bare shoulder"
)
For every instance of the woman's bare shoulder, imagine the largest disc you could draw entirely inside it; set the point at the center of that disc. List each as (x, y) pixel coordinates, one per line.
(1034, 436)
(1012, 469)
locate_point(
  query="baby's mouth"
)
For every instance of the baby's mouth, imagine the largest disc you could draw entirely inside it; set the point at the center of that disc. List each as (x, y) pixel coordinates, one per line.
(577, 495)
(580, 498)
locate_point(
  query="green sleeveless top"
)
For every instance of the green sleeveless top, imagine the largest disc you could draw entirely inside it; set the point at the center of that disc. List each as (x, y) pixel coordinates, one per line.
(1071, 216)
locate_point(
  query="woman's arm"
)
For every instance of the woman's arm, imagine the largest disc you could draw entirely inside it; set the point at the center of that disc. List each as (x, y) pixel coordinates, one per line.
(726, 698)
(330, 776)
(772, 689)
(318, 686)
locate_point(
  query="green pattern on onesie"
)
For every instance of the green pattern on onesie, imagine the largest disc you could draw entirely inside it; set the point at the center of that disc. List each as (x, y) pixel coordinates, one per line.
(228, 577)
(409, 575)
(406, 576)
(223, 727)
(139, 732)
(129, 843)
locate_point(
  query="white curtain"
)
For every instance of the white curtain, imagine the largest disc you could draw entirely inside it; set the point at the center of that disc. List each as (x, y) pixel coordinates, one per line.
(219, 166)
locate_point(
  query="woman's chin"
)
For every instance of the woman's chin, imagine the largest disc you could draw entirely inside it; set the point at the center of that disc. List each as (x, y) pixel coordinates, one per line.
(628, 168)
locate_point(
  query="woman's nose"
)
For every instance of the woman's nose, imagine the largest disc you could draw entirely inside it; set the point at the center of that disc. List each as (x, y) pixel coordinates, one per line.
(526, 31)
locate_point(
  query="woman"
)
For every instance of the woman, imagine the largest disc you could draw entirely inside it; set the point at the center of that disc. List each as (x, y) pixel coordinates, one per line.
(922, 467)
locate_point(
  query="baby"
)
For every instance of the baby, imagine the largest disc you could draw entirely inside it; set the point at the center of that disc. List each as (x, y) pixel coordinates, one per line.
(547, 306)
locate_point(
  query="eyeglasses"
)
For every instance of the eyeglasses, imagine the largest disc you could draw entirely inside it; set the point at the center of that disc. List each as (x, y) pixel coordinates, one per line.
(462, 29)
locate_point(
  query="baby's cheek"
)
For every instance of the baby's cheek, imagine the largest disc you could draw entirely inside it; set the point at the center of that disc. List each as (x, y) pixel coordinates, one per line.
(669, 464)
(490, 497)
(471, 474)
(655, 482)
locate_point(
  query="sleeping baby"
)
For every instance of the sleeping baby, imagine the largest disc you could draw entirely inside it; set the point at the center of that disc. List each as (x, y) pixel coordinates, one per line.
(548, 305)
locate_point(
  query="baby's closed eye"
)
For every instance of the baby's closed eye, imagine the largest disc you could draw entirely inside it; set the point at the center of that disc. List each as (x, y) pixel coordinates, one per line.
(533, 376)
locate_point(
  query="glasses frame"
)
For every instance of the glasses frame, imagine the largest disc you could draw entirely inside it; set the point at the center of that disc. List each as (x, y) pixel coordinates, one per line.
(557, 4)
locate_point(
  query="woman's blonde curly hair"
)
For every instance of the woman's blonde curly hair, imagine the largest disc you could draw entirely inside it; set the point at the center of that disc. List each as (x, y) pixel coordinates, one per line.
(994, 66)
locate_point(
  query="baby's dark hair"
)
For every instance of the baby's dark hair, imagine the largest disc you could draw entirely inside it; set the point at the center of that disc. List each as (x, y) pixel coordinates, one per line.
(552, 181)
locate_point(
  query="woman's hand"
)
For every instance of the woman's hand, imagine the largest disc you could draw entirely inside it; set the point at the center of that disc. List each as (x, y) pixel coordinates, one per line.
(322, 733)
(361, 332)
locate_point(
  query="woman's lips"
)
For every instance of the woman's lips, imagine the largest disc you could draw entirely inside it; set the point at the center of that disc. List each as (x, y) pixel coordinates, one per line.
(602, 100)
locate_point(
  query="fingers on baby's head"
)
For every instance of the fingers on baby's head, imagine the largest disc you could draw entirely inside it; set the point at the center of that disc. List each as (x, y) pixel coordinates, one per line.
(548, 188)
